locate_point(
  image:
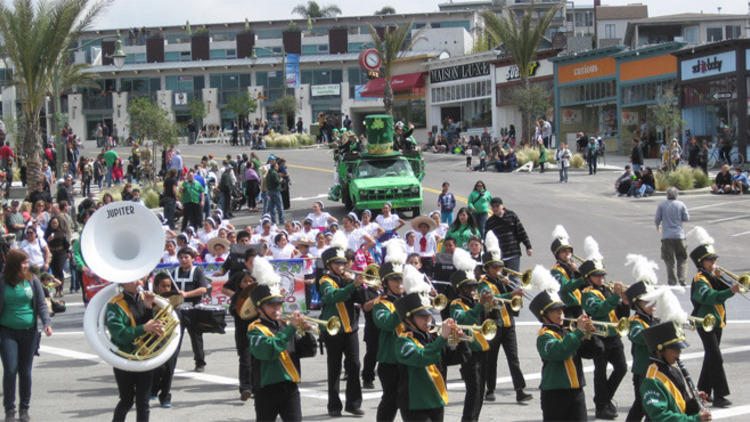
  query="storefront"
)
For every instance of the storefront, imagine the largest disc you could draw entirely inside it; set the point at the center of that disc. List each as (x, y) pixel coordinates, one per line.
(461, 89)
(586, 96)
(644, 75)
(713, 84)
(508, 80)
(408, 96)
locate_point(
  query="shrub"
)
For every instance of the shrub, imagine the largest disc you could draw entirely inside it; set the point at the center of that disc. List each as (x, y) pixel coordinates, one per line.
(522, 157)
(683, 178)
(151, 198)
(661, 181)
(577, 162)
(701, 179)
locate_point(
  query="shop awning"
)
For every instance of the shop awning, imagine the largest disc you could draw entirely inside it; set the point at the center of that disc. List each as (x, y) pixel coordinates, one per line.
(405, 82)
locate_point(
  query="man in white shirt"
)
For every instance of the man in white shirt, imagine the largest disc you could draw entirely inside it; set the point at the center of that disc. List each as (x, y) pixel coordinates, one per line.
(37, 250)
(425, 243)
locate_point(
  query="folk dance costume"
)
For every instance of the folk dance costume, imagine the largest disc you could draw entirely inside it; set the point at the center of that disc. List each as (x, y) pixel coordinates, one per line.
(468, 311)
(665, 392)
(422, 391)
(505, 319)
(126, 315)
(708, 295)
(186, 281)
(276, 348)
(389, 326)
(571, 282)
(338, 296)
(425, 244)
(602, 305)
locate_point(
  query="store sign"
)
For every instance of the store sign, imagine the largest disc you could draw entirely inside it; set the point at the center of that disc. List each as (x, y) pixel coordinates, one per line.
(358, 94)
(464, 71)
(586, 70)
(180, 98)
(571, 116)
(715, 64)
(321, 90)
(514, 73)
(629, 117)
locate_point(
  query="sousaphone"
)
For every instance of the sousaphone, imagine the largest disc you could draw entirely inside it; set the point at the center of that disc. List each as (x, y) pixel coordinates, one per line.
(123, 242)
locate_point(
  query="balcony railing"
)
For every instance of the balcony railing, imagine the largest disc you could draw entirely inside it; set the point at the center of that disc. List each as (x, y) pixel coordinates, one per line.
(97, 103)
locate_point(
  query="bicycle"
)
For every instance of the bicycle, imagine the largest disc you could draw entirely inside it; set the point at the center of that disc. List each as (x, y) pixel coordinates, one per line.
(715, 159)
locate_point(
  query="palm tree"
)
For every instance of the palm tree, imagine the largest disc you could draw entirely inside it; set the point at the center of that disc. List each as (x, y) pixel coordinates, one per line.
(36, 35)
(386, 10)
(521, 39)
(390, 46)
(313, 10)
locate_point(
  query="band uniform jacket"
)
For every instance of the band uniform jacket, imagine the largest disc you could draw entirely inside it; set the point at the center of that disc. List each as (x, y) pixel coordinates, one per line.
(126, 315)
(602, 305)
(466, 311)
(498, 288)
(570, 281)
(277, 347)
(420, 354)
(664, 395)
(708, 295)
(638, 349)
(338, 297)
(389, 325)
(561, 361)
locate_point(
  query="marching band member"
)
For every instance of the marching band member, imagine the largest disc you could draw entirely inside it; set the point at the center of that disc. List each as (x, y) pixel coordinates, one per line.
(566, 272)
(389, 326)
(161, 384)
(494, 282)
(664, 390)
(338, 295)
(644, 272)
(563, 398)
(276, 348)
(604, 304)
(422, 390)
(192, 284)
(708, 293)
(466, 310)
(129, 316)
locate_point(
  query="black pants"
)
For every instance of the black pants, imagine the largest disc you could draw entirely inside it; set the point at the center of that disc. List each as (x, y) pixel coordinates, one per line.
(161, 384)
(564, 405)
(592, 165)
(605, 388)
(506, 336)
(191, 215)
(636, 412)
(251, 192)
(133, 386)
(242, 344)
(281, 399)
(471, 372)
(423, 415)
(712, 378)
(428, 265)
(371, 350)
(196, 342)
(388, 373)
(346, 345)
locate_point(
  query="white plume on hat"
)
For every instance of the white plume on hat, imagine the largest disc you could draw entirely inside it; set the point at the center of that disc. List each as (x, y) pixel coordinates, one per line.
(699, 236)
(644, 269)
(542, 279)
(264, 274)
(561, 234)
(339, 240)
(492, 245)
(414, 281)
(591, 251)
(395, 252)
(462, 261)
(666, 305)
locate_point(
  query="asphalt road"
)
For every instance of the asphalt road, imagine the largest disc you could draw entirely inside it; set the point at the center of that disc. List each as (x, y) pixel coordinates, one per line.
(71, 383)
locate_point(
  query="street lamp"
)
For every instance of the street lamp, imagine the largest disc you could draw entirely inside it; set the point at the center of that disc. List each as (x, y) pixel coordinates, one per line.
(118, 57)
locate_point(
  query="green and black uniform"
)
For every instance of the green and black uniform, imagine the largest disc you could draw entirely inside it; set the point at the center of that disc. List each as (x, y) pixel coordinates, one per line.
(665, 397)
(389, 326)
(422, 390)
(126, 314)
(562, 384)
(641, 359)
(571, 284)
(466, 311)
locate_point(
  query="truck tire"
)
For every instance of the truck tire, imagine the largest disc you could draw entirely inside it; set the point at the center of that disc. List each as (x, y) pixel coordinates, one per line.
(416, 211)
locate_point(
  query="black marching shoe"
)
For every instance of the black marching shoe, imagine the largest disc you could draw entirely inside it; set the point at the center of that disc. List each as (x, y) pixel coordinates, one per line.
(522, 396)
(246, 394)
(490, 396)
(356, 412)
(368, 385)
(605, 412)
(334, 413)
(721, 402)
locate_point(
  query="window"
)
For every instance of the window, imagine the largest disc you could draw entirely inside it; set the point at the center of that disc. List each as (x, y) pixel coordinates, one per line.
(609, 31)
(588, 92)
(691, 34)
(646, 92)
(732, 32)
(713, 34)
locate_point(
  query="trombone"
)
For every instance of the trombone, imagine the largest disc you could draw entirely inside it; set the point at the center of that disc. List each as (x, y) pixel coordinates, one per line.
(525, 280)
(742, 279)
(708, 322)
(488, 329)
(333, 324)
(621, 327)
(368, 275)
(515, 303)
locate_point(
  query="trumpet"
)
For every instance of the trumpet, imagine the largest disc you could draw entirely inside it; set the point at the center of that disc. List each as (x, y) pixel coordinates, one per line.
(333, 324)
(371, 272)
(621, 327)
(578, 258)
(708, 322)
(515, 303)
(488, 329)
(742, 279)
(439, 302)
(611, 285)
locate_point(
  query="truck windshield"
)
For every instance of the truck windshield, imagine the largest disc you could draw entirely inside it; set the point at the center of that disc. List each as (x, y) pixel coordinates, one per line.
(383, 168)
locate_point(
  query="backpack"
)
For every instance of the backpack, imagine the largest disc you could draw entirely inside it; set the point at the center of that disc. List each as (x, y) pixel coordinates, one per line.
(225, 183)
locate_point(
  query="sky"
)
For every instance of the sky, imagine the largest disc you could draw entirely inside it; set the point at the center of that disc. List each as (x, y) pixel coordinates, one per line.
(129, 13)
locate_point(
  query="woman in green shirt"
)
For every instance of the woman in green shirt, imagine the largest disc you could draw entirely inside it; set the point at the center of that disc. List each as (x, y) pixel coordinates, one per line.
(21, 303)
(542, 155)
(462, 228)
(479, 204)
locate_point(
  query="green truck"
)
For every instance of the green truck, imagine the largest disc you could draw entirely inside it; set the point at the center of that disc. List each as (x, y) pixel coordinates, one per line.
(367, 180)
